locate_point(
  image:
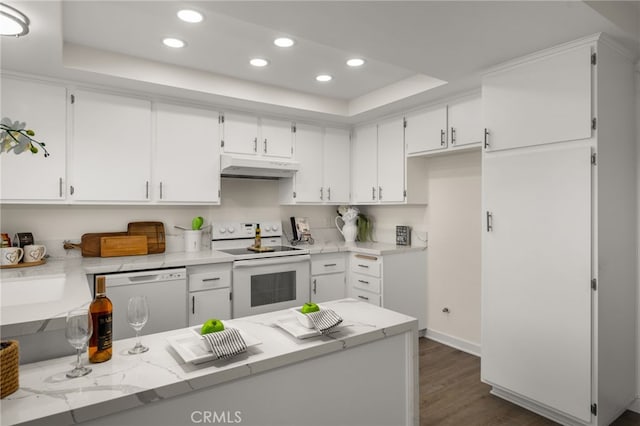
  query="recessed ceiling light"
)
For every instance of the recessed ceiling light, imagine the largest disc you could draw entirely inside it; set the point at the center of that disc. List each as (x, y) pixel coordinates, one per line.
(355, 62)
(173, 42)
(259, 62)
(283, 42)
(12, 21)
(188, 15)
(324, 77)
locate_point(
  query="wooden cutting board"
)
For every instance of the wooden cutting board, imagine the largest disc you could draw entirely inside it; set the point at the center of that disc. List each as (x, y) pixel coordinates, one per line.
(125, 245)
(154, 231)
(91, 242)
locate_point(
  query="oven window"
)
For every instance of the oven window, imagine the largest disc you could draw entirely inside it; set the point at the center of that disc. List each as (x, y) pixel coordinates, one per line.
(267, 289)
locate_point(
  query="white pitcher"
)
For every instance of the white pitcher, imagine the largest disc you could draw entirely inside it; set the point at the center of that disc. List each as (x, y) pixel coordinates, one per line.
(349, 228)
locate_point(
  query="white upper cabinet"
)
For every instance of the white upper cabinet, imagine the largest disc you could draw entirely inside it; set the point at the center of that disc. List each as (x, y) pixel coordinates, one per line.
(426, 130)
(391, 161)
(543, 101)
(364, 165)
(27, 176)
(465, 122)
(323, 176)
(336, 159)
(187, 156)
(111, 149)
(246, 134)
(276, 138)
(239, 134)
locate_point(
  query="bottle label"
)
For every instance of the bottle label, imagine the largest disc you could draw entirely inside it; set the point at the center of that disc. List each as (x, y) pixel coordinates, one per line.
(104, 331)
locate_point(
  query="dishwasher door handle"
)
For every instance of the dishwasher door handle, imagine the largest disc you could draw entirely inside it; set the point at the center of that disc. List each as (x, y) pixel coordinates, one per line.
(144, 278)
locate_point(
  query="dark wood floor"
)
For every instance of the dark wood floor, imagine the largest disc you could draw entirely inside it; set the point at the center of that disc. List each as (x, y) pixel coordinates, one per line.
(451, 393)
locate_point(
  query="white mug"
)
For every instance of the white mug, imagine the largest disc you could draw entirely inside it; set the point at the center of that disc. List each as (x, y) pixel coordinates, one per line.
(11, 255)
(34, 253)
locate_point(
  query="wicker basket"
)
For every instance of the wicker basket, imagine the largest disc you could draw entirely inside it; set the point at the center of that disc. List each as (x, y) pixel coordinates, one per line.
(9, 361)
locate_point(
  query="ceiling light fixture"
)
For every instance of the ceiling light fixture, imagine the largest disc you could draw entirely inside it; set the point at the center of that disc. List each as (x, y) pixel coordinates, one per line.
(355, 62)
(283, 42)
(12, 21)
(173, 42)
(259, 62)
(191, 16)
(324, 78)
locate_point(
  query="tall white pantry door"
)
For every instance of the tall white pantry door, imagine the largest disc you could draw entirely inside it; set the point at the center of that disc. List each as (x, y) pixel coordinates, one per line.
(536, 293)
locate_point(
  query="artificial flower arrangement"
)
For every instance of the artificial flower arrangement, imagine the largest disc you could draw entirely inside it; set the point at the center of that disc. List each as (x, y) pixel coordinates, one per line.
(15, 137)
(363, 222)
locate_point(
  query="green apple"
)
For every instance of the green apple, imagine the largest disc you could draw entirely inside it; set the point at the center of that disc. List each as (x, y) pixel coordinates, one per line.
(211, 326)
(309, 307)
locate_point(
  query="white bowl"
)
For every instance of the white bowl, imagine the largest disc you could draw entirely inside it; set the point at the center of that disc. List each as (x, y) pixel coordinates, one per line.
(303, 318)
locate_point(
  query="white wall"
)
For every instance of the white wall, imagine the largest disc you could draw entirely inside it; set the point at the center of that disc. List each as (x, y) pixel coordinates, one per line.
(453, 222)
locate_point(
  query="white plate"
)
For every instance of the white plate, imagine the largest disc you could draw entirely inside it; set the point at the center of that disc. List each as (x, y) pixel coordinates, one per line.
(292, 326)
(192, 348)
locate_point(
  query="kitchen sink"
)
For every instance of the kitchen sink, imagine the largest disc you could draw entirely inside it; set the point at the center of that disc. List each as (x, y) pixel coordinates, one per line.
(30, 290)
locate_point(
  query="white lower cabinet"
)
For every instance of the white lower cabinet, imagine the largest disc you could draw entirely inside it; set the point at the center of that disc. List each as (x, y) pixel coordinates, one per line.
(396, 281)
(327, 277)
(209, 292)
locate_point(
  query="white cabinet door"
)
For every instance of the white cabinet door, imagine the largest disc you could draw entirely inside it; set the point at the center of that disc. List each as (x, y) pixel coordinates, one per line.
(308, 179)
(111, 147)
(240, 134)
(204, 305)
(337, 164)
(327, 287)
(276, 138)
(187, 155)
(465, 122)
(426, 130)
(391, 161)
(364, 164)
(543, 101)
(43, 107)
(536, 293)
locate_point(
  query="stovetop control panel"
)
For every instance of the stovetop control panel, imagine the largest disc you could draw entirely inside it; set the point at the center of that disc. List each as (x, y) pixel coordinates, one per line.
(235, 230)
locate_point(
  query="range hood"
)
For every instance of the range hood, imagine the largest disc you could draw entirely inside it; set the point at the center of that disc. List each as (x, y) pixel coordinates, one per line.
(256, 167)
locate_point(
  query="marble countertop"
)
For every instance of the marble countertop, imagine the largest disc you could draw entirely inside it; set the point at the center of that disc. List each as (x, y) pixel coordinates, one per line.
(128, 381)
(26, 318)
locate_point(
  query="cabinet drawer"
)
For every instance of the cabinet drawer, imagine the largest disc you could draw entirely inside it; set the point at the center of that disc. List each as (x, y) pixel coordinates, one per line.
(366, 282)
(212, 277)
(366, 264)
(327, 264)
(365, 296)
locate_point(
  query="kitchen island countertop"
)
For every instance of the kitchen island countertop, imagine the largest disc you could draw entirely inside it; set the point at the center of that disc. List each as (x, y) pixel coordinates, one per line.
(46, 396)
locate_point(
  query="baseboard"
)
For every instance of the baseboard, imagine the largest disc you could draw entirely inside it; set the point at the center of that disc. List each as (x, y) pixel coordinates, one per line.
(454, 342)
(635, 405)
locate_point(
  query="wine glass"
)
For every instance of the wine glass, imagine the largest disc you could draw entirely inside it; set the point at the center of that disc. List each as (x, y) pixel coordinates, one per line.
(137, 316)
(78, 330)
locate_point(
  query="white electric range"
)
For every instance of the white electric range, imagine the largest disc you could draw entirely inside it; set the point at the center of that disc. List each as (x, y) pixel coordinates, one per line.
(263, 281)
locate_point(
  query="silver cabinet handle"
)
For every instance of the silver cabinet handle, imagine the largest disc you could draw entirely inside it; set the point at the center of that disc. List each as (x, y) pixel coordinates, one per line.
(373, 193)
(321, 193)
(329, 193)
(193, 305)
(265, 145)
(363, 266)
(211, 279)
(326, 265)
(489, 221)
(71, 189)
(486, 138)
(147, 189)
(60, 186)
(161, 190)
(315, 282)
(453, 135)
(255, 144)
(363, 298)
(363, 282)
(442, 141)
(379, 193)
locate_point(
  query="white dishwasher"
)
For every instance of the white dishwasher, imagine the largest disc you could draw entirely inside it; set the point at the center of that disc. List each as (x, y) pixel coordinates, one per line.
(166, 292)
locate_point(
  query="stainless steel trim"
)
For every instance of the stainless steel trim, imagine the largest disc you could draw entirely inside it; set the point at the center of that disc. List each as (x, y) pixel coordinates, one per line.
(271, 261)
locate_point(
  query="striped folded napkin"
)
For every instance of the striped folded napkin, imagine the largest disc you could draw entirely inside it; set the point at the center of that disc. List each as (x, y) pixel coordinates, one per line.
(226, 343)
(324, 320)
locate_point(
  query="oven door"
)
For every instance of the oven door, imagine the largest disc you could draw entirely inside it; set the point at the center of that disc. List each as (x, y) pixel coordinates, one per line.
(270, 284)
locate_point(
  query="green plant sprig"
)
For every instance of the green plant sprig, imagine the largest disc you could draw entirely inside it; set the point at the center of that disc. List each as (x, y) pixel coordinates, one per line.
(20, 143)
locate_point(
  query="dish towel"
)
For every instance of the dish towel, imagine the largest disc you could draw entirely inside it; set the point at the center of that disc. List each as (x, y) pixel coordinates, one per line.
(324, 320)
(226, 343)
